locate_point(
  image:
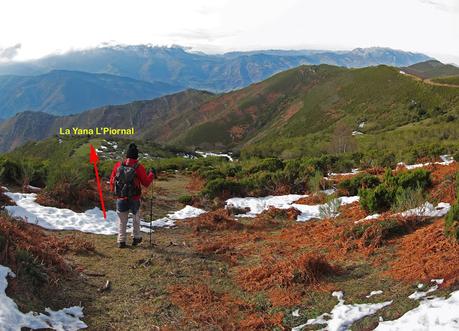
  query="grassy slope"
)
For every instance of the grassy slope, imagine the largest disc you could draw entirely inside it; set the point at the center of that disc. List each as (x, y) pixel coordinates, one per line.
(293, 112)
(298, 109)
(451, 80)
(78, 148)
(432, 69)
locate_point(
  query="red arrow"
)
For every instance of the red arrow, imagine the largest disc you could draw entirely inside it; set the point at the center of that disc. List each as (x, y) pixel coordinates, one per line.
(93, 158)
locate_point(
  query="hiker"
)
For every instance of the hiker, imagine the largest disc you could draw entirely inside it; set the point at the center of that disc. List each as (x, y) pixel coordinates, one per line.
(126, 180)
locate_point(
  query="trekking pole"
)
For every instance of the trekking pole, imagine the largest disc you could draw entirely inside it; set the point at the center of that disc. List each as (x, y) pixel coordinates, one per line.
(151, 217)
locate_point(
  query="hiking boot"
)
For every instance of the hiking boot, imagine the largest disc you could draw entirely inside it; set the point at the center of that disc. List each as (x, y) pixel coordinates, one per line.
(136, 241)
(122, 245)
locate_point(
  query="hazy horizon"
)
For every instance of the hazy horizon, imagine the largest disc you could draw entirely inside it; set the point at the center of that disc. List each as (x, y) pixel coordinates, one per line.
(51, 27)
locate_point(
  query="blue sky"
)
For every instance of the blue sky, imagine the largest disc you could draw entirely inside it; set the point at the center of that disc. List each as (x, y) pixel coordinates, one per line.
(32, 29)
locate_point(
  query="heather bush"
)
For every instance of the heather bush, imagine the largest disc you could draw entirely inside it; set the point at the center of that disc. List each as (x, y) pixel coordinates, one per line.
(361, 181)
(11, 171)
(401, 191)
(219, 186)
(270, 164)
(452, 222)
(185, 199)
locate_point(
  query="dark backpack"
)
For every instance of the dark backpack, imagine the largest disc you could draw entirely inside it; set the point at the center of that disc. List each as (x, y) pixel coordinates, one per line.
(125, 181)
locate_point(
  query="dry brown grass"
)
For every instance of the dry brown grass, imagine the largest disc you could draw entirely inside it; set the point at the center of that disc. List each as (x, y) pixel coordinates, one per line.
(18, 235)
(313, 199)
(65, 196)
(206, 307)
(196, 184)
(218, 220)
(307, 269)
(285, 297)
(260, 321)
(4, 200)
(444, 183)
(427, 254)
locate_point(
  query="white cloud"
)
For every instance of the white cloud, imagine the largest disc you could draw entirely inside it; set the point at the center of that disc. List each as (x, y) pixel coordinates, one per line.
(9, 53)
(45, 26)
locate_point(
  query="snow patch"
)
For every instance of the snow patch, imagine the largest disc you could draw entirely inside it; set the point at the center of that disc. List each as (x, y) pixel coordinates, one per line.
(357, 133)
(353, 172)
(206, 154)
(33, 188)
(11, 319)
(372, 293)
(416, 295)
(368, 218)
(257, 205)
(428, 210)
(431, 314)
(169, 221)
(91, 221)
(342, 315)
(446, 160)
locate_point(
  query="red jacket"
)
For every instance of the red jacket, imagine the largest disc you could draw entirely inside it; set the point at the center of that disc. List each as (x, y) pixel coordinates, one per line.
(141, 179)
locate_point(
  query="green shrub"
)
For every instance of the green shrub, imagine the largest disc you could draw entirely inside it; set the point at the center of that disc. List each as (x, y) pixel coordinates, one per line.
(231, 170)
(30, 267)
(361, 181)
(209, 174)
(35, 172)
(378, 199)
(185, 199)
(314, 182)
(270, 164)
(402, 191)
(456, 156)
(219, 186)
(452, 222)
(11, 171)
(406, 199)
(264, 182)
(419, 178)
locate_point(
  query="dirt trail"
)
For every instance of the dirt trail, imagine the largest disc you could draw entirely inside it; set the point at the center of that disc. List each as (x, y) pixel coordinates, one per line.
(429, 81)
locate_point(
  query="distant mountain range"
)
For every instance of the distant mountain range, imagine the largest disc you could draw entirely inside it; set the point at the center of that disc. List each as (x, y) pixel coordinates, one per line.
(64, 92)
(217, 73)
(76, 81)
(291, 112)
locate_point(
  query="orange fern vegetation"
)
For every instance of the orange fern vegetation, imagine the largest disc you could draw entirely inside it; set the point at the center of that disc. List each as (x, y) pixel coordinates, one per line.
(282, 260)
(25, 247)
(19, 238)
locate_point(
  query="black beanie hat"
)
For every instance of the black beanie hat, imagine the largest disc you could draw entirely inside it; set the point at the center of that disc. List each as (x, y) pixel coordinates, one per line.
(132, 151)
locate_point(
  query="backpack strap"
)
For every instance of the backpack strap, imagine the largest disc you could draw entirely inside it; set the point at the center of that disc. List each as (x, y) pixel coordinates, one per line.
(135, 166)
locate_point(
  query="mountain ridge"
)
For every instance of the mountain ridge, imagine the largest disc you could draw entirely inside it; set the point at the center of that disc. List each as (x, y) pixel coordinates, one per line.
(286, 112)
(63, 92)
(432, 69)
(213, 72)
